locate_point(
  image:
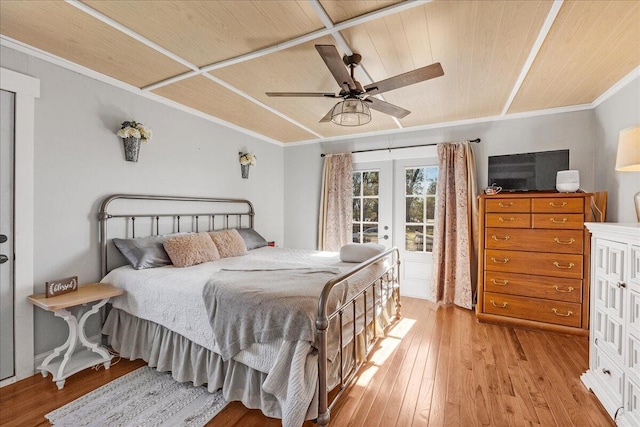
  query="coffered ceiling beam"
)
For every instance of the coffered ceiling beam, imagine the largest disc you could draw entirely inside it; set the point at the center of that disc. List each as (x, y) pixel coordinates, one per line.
(330, 29)
(260, 103)
(114, 24)
(390, 10)
(542, 35)
(344, 46)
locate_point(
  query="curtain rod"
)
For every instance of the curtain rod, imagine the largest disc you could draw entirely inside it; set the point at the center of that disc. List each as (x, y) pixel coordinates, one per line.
(477, 140)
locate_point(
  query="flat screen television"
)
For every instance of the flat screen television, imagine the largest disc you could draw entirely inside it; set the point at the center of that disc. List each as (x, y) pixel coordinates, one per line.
(527, 171)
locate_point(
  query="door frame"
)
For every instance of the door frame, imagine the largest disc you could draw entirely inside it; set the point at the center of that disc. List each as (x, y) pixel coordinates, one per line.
(27, 89)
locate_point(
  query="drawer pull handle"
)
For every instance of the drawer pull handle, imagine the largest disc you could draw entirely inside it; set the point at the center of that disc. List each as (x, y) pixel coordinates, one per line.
(568, 242)
(560, 205)
(510, 219)
(569, 289)
(499, 261)
(502, 283)
(606, 371)
(496, 238)
(557, 264)
(505, 205)
(555, 311)
(621, 285)
(504, 304)
(557, 221)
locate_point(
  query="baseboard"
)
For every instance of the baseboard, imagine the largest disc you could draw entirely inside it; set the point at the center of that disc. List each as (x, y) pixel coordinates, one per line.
(8, 381)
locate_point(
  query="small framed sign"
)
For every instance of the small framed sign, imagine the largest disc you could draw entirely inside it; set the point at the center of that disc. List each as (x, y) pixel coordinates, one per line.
(61, 286)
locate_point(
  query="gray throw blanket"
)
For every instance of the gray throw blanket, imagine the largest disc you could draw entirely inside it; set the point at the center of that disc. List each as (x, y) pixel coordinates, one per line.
(256, 306)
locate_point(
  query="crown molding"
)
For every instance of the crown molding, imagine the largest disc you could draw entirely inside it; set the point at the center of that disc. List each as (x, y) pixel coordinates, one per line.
(545, 112)
(635, 73)
(61, 62)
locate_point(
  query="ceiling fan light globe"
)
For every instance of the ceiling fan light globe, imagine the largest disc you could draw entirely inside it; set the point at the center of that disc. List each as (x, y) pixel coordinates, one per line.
(351, 112)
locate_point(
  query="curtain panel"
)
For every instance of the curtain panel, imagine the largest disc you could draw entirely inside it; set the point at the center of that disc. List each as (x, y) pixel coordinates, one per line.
(455, 237)
(336, 202)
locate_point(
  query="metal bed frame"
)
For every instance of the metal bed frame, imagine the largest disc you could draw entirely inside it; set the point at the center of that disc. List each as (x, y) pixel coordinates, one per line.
(388, 280)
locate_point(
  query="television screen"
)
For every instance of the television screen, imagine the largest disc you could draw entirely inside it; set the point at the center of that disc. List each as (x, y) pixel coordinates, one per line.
(527, 171)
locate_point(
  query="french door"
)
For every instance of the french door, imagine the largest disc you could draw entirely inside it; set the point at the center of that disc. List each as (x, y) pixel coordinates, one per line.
(394, 205)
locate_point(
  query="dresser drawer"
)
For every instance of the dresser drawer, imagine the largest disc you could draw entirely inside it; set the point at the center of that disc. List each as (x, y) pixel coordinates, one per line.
(515, 220)
(557, 241)
(557, 204)
(552, 288)
(608, 373)
(558, 221)
(545, 264)
(541, 310)
(508, 205)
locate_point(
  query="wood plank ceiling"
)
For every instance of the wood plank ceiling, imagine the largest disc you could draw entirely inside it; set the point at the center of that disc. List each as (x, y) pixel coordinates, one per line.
(220, 57)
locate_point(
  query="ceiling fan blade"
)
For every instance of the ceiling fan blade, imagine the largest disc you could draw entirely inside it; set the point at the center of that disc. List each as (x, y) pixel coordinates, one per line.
(332, 58)
(301, 94)
(327, 117)
(385, 107)
(416, 76)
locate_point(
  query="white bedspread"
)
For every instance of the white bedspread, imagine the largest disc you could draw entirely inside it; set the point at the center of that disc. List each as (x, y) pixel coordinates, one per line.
(172, 297)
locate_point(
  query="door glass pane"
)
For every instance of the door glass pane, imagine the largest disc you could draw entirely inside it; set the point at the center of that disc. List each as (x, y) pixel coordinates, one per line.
(370, 233)
(365, 206)
(356, 232)
(413, 238)
(415, 181)
(370, 183)
(370, 210)
(428, 239)
(420, 190)
(356, 209)
(357, 183)
(415, 209)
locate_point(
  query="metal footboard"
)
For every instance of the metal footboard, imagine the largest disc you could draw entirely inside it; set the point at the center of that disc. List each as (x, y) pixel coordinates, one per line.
(389, 278)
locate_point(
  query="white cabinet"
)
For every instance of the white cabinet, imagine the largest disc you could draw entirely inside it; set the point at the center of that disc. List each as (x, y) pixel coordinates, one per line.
(614, 343)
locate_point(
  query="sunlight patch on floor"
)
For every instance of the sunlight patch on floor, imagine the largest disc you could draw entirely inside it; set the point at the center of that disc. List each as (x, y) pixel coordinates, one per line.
(390, 342)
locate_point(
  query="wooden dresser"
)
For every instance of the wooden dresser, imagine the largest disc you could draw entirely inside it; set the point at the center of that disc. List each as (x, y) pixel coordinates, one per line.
(533, 261)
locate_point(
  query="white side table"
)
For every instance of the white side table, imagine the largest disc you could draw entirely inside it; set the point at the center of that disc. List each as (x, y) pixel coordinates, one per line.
(89, 353)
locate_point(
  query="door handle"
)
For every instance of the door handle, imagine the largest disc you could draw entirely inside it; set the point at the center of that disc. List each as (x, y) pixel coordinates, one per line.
(3, 258)
(3, 238)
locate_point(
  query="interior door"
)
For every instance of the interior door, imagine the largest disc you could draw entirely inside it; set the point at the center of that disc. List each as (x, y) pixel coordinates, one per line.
(414, 208)
(372, 203)
(7, 111)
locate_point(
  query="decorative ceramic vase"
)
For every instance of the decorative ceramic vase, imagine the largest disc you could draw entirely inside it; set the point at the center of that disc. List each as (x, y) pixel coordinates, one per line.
(245, 171)
(131, 148)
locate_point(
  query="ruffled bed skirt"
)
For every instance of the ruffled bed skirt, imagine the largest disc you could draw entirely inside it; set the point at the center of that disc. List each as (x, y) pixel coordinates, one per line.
(168, 351)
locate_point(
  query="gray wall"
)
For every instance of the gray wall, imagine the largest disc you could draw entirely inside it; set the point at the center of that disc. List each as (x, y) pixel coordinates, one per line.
(303, 164)
(619, 112)
(79, 160)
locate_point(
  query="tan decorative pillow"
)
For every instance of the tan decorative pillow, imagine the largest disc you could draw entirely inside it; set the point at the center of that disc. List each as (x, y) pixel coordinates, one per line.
(191, 249)
(229, 243)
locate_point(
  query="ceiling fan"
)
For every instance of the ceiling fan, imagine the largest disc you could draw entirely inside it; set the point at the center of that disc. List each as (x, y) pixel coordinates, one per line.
(354, 109)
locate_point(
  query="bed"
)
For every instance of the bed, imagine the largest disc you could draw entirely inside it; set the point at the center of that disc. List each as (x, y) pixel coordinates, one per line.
(283, 349)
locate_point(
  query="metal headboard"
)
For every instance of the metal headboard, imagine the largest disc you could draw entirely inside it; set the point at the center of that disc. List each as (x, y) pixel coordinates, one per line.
(192, 219)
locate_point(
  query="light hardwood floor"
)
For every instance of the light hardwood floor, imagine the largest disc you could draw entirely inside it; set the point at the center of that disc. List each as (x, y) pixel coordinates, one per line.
(435, 368)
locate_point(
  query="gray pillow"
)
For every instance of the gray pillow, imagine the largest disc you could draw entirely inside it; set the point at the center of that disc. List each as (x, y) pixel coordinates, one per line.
(252, 239)
(144, 252)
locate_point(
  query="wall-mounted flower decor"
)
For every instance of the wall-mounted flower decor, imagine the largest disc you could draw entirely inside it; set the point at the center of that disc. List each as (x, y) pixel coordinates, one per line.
(246, 160)
(131, 133)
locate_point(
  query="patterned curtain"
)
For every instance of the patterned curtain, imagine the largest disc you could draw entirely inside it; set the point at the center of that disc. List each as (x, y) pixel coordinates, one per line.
(455, 238)
(336, 202)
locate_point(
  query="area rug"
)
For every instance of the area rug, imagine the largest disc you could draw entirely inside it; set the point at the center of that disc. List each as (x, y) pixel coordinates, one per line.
(144, 397)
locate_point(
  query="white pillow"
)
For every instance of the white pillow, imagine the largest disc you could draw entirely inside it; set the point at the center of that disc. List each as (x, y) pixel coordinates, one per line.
(360, 252)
